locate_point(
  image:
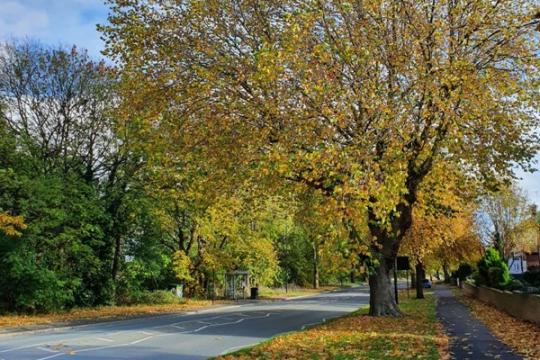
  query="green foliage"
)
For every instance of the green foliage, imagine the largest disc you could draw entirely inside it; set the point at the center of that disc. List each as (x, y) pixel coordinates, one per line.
(157, 297)
(464, 270)
(514, 285)
(532, 277)
(492, 270)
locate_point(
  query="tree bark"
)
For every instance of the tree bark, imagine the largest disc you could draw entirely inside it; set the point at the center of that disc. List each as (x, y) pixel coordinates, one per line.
(446, 274)
(420, 275)
(116, 257)
(382, 300)
(387, 240)
(315, 268)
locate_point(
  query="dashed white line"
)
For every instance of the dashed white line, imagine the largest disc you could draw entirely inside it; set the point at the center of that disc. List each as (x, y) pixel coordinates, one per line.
(26, 347)
(140, 340)
(104, 339)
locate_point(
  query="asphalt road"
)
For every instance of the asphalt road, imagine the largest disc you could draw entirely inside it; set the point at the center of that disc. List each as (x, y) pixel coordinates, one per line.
(183, 336)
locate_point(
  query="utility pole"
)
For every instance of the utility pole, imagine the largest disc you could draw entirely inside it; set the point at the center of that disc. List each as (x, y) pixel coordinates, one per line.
(395, 280)
(537, 226)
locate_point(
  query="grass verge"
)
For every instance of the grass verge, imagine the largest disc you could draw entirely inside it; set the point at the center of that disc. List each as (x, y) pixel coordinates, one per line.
(280, 293)
(100, 313)
(522, 336)
(415, 335)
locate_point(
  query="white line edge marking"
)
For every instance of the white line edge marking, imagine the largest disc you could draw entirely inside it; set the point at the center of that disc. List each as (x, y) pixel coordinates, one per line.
(47, 349)
(146, 333)
(312, 324)
(52, 356)
(226, 351)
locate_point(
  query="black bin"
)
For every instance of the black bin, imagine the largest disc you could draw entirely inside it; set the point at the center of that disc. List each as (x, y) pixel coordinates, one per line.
(254, 293)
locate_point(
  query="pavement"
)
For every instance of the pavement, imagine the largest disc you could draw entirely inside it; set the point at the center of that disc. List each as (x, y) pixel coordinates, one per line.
(207, 333)
(470, 339)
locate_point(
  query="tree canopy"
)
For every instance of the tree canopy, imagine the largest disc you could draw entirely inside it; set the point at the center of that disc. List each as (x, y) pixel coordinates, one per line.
(356, 100)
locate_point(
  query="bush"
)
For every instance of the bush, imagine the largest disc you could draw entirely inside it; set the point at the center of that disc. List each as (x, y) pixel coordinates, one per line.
(464, 271)
(532, 277)
(515, 285)
(492, 270)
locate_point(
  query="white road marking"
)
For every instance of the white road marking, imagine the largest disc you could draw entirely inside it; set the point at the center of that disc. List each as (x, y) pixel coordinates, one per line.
(232, 322)
(51, 356)
(226, 351)
(104, 339)
(28, 346)
(146, 333)
(315, 323)
(140, 340)
(46, 349)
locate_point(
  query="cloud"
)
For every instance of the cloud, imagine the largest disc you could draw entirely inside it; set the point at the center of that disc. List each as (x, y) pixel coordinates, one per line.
(54, 22)
(19, 20)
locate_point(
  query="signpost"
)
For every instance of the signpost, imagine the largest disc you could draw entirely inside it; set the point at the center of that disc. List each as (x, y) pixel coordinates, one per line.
(401, 263)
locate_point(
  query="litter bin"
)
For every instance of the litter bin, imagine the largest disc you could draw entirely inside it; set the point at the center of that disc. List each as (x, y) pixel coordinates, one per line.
(254, 293)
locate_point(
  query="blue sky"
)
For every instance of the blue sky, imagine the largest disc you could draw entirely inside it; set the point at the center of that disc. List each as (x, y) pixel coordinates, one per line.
(74, 22)
(55, 22)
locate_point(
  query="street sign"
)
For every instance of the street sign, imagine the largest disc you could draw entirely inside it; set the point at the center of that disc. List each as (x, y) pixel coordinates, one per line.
(402, 263)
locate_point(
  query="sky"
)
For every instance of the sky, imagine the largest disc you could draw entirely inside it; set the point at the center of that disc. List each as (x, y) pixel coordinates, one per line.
(69, 22)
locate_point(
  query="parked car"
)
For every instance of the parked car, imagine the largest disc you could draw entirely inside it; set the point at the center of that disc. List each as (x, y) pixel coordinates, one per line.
(426, 284)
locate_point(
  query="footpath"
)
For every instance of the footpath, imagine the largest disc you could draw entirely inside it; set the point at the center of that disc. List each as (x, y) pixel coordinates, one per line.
(470, 339)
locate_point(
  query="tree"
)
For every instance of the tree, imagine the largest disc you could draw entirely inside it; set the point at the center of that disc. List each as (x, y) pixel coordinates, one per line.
(502, 219)
(11, 225)
(442, 232)
(63, 169)
(355, 100)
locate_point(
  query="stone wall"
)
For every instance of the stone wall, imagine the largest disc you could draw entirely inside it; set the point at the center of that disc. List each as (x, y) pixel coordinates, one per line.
(521, 306)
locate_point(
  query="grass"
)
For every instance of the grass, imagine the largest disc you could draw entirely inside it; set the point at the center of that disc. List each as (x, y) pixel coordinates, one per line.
(275, 293)
(99, 313)
(415, 335)
(522, 336)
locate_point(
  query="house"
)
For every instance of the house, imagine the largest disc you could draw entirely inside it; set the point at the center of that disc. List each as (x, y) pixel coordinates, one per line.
(519, 262)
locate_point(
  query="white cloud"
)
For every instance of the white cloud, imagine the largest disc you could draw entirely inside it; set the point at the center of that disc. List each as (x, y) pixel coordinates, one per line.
(54, 21)
(19, 20)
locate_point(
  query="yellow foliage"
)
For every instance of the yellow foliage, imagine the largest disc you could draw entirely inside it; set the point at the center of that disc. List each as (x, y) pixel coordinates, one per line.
(11, 225)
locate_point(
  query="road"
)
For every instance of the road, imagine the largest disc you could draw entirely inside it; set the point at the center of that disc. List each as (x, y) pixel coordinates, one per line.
(183, 336)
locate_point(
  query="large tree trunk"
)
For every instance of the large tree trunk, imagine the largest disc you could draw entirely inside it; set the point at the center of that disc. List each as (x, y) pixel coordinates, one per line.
(386, 241)
(382, 300)
(446, 274)
(420, 275)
